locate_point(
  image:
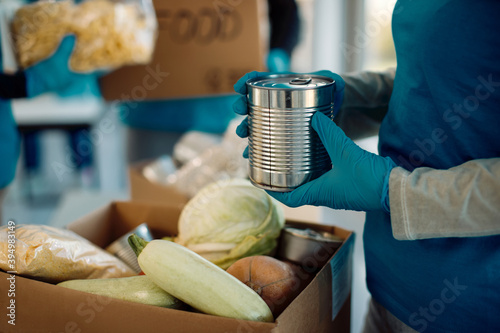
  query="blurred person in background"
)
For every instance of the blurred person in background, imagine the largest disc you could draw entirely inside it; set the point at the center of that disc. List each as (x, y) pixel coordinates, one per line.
(50, 75)
(153, 127)
(432, 196)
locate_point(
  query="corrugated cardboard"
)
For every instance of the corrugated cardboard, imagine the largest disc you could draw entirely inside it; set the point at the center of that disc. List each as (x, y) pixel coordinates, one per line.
(203, 48)
(142, 189)
(42, 307)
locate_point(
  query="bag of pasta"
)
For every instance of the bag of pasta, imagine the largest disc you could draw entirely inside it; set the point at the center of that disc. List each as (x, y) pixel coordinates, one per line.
(109, 33)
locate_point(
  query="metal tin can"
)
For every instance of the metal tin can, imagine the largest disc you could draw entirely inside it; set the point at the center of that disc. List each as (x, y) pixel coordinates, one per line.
(284, 151)
(121, 249)
(307, 247)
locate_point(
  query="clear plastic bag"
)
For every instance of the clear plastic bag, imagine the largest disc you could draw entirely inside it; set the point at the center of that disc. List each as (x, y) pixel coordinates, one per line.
(192, 144)
(221, 161)
(109, 33)
(55, 255)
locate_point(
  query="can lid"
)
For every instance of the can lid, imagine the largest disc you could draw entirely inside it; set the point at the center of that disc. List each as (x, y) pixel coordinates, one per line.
(290, 81)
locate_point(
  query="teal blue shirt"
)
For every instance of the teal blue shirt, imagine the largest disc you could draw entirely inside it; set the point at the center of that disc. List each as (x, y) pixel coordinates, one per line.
(207, 114)
(9, 141)
(444, 111)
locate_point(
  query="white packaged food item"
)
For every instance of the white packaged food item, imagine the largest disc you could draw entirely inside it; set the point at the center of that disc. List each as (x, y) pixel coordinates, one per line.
(214, 162)
(192, 144)
(160, 170)
(220, 162)
(53, 255)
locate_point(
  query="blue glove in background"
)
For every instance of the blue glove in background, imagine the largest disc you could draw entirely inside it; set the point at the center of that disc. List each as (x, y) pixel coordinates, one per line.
(278, 60)
(240, 105)
(53, 74)
(358, 180)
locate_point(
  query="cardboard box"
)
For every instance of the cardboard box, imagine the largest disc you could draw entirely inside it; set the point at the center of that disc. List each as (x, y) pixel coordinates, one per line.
(142, 189)
(203, 48)
(323, 306)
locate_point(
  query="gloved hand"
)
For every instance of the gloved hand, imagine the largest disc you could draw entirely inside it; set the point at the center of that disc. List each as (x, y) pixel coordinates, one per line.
(359, 180)
(53, 73)
(240, 105)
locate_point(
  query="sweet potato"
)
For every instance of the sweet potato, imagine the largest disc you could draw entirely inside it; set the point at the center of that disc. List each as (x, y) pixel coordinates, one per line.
(274, 280)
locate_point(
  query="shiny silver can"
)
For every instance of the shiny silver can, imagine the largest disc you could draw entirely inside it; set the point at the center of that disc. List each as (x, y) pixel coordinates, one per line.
(284, 151)
(121, 249)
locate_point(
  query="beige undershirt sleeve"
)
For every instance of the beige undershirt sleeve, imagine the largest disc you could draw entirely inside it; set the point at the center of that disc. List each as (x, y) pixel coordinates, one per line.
(463, 201)
(366, 101)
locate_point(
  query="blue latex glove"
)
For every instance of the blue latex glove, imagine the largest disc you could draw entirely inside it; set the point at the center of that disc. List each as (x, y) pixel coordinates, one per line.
(278, 60)
(53, 73)
(240, 105)
(359, 180)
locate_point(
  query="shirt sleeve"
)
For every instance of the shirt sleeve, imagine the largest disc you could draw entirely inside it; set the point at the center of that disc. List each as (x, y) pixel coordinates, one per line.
(366, 101)
(463, 201)
(12, 85)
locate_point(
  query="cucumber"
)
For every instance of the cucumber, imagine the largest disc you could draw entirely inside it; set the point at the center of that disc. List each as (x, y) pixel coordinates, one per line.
(139, 289)
(198, 282)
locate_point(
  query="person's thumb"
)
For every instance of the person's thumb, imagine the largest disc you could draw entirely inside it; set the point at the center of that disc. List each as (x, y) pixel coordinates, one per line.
(339, 81)
(66, 48)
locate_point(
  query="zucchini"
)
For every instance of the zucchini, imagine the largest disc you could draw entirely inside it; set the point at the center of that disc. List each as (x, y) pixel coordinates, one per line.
(198, 282)
(139, 289)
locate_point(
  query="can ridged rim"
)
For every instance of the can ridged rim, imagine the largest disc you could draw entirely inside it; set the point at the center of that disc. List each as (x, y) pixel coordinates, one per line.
(286, 171)
(281, 160)
(322, 108)
(331, 82)
(278, 162)
(269, 158)
(270, 149)
(297, 149)
(283, 142)
(271, 187)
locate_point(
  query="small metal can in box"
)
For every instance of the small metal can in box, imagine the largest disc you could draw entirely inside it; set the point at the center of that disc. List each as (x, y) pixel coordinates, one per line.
(284, 151)
(306, 247)
(121, 248)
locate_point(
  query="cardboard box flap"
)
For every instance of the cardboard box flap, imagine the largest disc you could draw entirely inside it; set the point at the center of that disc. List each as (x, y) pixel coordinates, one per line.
(111, 222)
(95, 226)
(161, 219)
(142, 189)
(323, 311)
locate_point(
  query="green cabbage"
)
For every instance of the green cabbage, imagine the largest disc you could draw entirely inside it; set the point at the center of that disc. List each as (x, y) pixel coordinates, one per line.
(230, 219)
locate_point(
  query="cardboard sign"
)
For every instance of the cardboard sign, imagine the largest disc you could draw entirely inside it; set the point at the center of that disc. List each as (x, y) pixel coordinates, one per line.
(203, 48)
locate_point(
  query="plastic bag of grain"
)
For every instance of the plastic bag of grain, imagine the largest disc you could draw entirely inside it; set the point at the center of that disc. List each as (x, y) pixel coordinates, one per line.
(109, 33)
(53, 255)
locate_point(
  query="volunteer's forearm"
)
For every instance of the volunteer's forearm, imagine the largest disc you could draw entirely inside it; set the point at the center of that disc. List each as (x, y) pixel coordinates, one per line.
(368, 91)
(463, 201)
(366, 101)
(12, 85)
